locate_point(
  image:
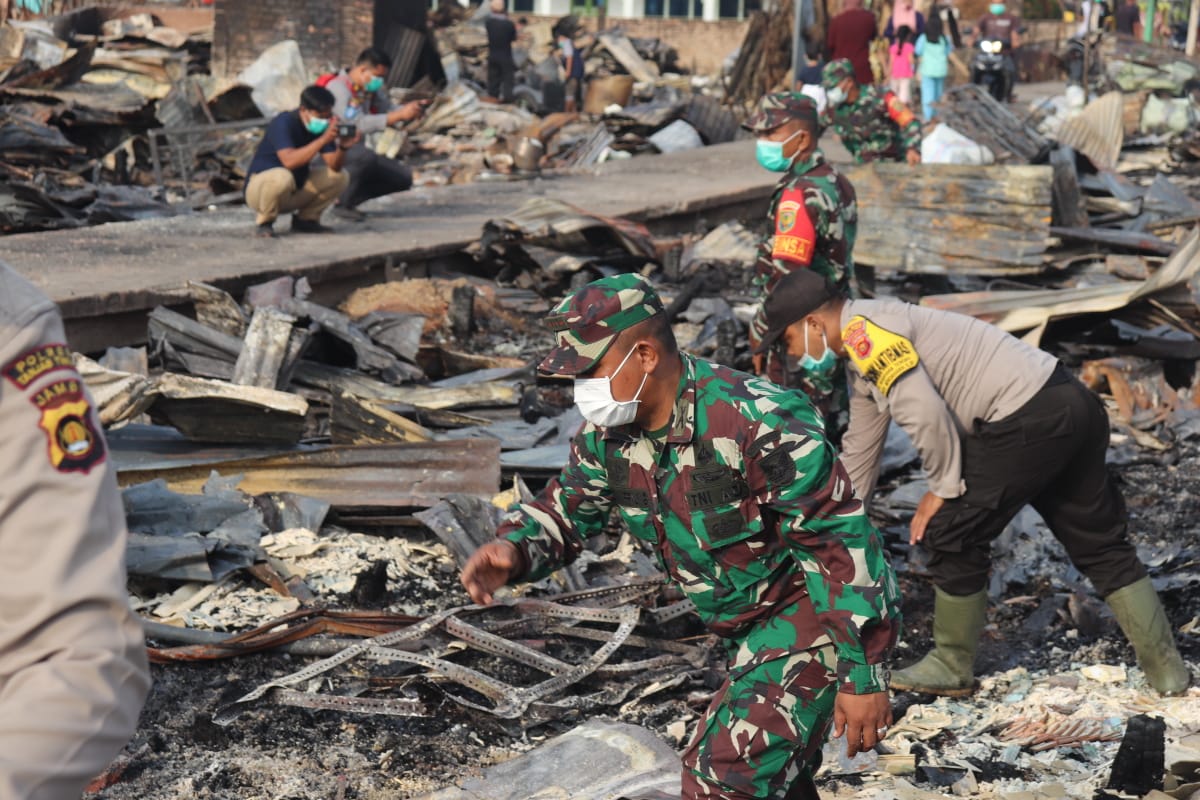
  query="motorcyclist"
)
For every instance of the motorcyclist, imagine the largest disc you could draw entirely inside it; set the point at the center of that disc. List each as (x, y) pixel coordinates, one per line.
(999, 25)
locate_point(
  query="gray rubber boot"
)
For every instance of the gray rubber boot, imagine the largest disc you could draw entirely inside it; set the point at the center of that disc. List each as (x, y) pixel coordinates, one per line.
(1141, 616)
(948, 669)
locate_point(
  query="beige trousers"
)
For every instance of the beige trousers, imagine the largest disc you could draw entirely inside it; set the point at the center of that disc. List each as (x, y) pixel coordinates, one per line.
(273, 192)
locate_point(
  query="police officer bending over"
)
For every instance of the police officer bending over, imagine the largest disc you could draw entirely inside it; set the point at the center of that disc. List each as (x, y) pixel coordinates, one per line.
(73, 672)
(998, 424)
(750, 511)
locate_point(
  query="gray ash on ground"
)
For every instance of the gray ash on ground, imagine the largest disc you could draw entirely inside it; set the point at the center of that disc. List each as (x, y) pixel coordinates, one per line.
(280, 752)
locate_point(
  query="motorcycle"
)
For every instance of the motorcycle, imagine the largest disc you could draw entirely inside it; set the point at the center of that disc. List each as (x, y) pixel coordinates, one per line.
(988, 69)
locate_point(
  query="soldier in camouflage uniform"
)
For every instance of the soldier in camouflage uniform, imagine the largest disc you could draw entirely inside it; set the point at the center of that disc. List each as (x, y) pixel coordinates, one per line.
(873, 124)
(749, 509)
(814, 219)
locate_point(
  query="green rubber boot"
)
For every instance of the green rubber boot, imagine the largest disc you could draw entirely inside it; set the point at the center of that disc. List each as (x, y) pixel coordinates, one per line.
(1141, 616)
(948, 669)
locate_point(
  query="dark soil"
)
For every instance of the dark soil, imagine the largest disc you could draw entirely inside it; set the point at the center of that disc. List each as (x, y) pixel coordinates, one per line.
(285, 753)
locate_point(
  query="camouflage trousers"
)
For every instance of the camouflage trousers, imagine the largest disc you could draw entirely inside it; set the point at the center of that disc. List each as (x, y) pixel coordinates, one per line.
(763, 733)
(831, 397)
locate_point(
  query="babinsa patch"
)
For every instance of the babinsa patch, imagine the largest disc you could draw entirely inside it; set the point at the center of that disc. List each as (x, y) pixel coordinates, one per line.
(888, 356)
(27, 368)
(74, 444)
(787, 215)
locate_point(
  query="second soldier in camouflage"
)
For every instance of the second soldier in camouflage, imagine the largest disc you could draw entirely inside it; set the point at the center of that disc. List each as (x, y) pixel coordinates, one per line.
(732, 481)
(873, 124)
(813, 220)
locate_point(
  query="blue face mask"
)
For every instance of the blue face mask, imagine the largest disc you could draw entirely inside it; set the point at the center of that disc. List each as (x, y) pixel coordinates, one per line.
(316, 126)
(770, 154)
(996, 8)
(374, 85)
(814, 366)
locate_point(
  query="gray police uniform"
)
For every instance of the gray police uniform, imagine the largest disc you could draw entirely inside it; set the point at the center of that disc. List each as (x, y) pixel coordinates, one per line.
(73, 671)
(998, 424)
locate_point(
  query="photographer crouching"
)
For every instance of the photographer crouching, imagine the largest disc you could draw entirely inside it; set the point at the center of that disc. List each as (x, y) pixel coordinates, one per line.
(286, 175)
(362, 104)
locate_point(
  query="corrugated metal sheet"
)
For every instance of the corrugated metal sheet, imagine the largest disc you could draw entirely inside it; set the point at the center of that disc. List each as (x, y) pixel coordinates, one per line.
(1098, 131)
(366, 476)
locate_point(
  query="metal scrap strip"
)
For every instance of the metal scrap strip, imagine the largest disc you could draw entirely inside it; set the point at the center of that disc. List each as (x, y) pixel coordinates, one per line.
(230, 712)
(396, 707)
(510, 701)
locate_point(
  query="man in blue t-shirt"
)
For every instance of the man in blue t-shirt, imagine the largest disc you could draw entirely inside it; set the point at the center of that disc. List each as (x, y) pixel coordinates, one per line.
(283, 178)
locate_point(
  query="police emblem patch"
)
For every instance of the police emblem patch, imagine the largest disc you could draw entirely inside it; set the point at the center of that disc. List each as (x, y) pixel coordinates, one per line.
(857, 339)
(890, 356)
(28, 367)
(74, 444)
(788, 210)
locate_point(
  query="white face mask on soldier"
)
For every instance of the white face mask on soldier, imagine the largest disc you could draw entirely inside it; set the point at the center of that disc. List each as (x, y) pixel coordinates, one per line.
(595, 400)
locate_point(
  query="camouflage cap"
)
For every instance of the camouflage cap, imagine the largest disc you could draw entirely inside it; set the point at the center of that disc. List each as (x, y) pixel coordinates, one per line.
(586, 322)
(836, 71)
(780, 107)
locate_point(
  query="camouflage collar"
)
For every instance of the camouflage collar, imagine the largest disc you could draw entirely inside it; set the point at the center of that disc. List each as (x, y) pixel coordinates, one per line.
(814, 160)
(683, 418)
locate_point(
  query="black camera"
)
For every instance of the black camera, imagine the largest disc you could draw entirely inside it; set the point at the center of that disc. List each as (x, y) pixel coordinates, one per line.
(347, 130)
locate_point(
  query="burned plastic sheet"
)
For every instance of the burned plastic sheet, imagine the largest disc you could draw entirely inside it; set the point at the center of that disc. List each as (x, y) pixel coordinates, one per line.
(200, 537)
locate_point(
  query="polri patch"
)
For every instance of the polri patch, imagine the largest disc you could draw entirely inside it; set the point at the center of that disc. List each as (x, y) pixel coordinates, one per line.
(27, 368)
(888, 356)
(74, 444)
(857, 338)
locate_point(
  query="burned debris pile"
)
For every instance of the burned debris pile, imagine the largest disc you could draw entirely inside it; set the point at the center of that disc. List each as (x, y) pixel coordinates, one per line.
(109, 115)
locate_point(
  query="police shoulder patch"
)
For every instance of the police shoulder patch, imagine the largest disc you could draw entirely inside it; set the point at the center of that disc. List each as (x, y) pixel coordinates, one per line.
(26, 368)
(879, 355)
(74, 444)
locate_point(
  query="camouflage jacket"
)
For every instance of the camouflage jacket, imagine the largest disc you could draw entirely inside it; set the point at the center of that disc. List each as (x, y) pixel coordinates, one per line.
(751, 513)
(875, 127)
(814, 219)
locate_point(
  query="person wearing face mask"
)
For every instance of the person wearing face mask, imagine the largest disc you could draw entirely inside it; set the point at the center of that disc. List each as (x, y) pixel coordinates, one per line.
(813, 220)
(1001, 26)
(283, 177)
(873, 124)
(360, 98)
(998, 424)
(732, 482)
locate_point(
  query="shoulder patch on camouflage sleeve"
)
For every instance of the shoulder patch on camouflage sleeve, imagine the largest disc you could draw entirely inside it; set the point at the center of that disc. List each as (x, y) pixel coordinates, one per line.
(879, 355)
(28, 367)
(898, 111)
(795, 235)
(779, 467)
(74, 444)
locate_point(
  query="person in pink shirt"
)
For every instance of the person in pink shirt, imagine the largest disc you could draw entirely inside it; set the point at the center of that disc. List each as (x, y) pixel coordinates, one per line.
(901, 64)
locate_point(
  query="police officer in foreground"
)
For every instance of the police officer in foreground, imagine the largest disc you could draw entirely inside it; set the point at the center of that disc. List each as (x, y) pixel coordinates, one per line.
(73, 672)
(730, 478)
(999, 425)
(873, 123)
(813, 218)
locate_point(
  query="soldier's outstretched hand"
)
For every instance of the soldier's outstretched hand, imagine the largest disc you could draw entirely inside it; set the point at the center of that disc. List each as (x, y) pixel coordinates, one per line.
(488, 569)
